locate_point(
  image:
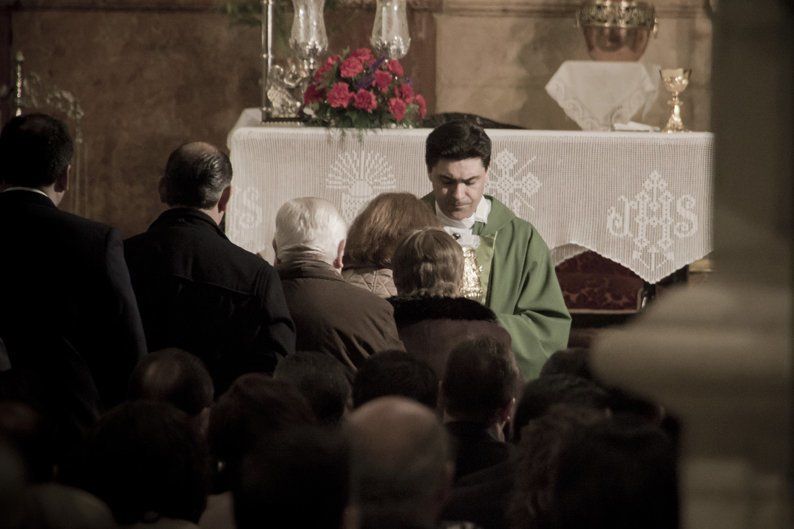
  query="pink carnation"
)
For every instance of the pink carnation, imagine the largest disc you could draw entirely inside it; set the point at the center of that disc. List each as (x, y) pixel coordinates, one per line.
(365, 100)
(420, 101)
(406, 92)
(364, 55)
(339, 95)
(350, 68)
(312, 94)
(330, 62)
(397, 108)
(382, 80)
(396, 68)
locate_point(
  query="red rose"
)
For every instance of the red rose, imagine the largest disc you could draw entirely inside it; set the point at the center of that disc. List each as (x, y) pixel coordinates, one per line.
(350, 68)
(339, 95)
(312, 94)
(406, 92)
(396, 68)
(382, 80)
(420, 101)
(397, 108)
(364, 55)
(365, 100)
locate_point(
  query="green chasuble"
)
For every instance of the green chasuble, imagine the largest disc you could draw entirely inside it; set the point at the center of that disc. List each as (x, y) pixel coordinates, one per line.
(522, 287)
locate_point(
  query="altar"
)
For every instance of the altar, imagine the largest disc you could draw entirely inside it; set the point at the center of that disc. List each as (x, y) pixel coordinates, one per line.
(641, 199)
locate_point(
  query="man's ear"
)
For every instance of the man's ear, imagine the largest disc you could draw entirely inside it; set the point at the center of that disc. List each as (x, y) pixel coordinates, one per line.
(223, 203)
(62, 180)
(340, 255)
(276, 260)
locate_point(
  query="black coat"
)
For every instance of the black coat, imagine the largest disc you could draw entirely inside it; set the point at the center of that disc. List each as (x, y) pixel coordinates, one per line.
(431, 327)
(200, 292)
(66, 304)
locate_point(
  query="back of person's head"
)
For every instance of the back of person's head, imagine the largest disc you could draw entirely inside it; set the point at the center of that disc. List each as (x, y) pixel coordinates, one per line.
(13, 486)
(536, 465)
(32, 437)
(299, 479)
(616, 475)
(321, 379)
(35, 150)
(479, 381)
(400, 464)
(395, 373)
(309, 228)
(542, 393)
(255, 407)
(457, 140)
(573, 361)
(145, 461)
(56, 506)
(388, 218)
(195, 176)
(428, 262)
(174, 376)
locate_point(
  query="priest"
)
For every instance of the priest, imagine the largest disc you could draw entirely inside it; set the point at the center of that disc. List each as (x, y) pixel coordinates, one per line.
(516, 275)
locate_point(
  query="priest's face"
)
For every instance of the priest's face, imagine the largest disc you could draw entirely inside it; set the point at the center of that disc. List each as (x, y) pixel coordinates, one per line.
(458, 186)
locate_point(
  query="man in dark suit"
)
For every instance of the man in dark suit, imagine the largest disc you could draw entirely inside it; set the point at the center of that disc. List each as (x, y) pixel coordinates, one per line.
(196, 289)
(331, 315)
(478, 389)
(67, 311)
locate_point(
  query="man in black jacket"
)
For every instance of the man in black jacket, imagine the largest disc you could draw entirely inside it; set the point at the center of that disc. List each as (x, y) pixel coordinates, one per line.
(197, 290)
(68, 315)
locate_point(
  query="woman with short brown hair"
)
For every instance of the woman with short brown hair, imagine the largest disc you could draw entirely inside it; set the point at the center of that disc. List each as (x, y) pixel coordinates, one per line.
(373, 237)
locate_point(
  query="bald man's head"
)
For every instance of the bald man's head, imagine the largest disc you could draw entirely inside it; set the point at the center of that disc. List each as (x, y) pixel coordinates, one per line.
(195, 176)
(401, 463)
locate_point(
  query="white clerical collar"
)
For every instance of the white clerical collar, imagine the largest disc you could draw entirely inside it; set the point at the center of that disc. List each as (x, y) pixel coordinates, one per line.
(21, 188)
(480, 215)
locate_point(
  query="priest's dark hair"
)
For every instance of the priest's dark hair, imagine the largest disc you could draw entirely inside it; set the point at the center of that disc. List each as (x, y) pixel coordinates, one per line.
(35, 149)
(195, 176)
(457, 140)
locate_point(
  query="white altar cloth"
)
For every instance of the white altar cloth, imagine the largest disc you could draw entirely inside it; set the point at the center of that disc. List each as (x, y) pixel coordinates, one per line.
(640, 199)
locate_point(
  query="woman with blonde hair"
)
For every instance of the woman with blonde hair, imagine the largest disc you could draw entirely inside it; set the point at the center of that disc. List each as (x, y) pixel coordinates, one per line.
(374, 235)
(431, 317)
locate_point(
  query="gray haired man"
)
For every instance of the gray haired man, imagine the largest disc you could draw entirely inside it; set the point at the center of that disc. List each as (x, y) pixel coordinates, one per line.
(330, 315)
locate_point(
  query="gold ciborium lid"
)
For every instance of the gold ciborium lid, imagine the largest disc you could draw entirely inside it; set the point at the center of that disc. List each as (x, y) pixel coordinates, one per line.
(616, 30)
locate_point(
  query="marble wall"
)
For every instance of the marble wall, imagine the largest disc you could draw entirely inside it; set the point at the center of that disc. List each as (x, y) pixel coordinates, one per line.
(495, 57)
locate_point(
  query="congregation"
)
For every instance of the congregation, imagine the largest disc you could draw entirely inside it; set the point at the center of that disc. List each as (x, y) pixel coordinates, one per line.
(173, 380)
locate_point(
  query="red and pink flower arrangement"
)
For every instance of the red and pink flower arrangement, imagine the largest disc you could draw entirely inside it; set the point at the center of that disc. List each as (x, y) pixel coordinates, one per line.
(358, 89)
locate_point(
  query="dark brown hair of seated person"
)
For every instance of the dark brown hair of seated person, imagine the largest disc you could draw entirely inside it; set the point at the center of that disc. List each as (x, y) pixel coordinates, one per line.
(376, 231)
(428, 262)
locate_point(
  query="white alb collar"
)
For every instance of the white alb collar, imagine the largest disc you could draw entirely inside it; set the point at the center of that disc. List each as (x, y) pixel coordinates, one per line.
(480, 215)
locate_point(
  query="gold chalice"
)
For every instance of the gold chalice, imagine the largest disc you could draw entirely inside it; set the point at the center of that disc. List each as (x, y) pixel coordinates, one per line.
(675, 80)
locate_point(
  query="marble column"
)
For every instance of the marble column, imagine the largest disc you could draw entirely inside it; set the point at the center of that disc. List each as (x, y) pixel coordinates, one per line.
(718, 355)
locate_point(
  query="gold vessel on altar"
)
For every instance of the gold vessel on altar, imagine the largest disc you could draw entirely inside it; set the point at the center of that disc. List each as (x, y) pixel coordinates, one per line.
(616, 30)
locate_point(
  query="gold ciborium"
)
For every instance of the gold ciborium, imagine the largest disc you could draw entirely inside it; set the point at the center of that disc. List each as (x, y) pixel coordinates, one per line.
(675, 80)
